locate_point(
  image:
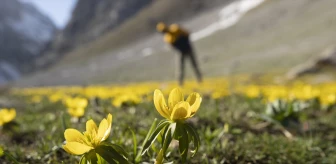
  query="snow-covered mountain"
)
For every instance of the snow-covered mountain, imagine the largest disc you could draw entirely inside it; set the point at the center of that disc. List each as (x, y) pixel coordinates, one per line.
(24, 34)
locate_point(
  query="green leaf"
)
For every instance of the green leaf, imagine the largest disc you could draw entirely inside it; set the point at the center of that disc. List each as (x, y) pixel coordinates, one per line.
(110, 154)
(168, 137)
(116, 147)
(269, 119)
(138, 156)
(159, 157)
(154, 135)
(162, 137)
(101, 160)
(135, 146)
(91, 157)
(183, 142)
(196, 139)
(83, 160)
(11, 158)
(151, 129)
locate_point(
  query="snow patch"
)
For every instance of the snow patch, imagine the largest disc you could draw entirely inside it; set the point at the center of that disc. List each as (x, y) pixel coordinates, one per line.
(227, 17)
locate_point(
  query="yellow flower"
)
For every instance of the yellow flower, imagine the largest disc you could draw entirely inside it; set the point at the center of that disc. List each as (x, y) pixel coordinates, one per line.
(130, 99)
(78, 143)
(76, 106)
(177, 108)
(76, 111)
(76, 102)
(7, 115)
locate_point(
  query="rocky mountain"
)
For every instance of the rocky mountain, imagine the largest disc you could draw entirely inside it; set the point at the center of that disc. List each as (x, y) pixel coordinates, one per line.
(24, 34)
(91, 19)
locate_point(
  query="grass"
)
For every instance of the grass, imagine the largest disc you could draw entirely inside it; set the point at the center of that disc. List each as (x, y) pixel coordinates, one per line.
(36, 135)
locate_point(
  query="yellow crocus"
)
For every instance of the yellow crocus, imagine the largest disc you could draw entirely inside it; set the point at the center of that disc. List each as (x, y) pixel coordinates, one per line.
(177, 108)
(7, 115)
(78, 143)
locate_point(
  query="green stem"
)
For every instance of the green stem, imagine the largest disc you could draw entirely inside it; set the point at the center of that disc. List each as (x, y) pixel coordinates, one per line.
(159, 158)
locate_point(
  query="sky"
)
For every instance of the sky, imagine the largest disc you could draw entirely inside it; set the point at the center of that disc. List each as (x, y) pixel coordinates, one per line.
(58, 10)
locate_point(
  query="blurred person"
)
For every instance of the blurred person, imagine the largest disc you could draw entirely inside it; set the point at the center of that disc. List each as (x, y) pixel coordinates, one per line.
(178, 37)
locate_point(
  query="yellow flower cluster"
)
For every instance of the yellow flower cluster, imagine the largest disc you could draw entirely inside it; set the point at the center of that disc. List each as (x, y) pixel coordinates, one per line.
(216, 88)
(177, 110)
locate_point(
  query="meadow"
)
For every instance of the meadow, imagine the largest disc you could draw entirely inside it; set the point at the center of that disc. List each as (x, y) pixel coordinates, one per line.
(239, 121)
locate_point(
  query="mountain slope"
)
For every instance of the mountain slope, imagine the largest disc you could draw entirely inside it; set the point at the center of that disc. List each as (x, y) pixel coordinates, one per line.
(269, 39)
(24, 33)
(91, 19)
(110, 24)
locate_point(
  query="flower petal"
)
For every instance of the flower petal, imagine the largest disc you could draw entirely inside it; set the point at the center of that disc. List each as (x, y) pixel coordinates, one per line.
(108, 131)
(76, 148)
(194, 100)
(73, 135)
(181, 111)
(175, 96)
(160, 104)
(104, 129)
(91, 130)
(91, 126)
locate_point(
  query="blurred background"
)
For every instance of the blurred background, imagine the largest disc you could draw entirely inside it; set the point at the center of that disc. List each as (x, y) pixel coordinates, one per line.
(68, 42)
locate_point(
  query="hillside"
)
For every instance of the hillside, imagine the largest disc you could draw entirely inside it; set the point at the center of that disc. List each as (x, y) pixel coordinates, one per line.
(117, 23)
(91, 19)
(274, 37)
(24, 33)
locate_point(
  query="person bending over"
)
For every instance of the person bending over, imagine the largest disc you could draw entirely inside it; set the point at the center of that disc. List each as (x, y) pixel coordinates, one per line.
(178, 38)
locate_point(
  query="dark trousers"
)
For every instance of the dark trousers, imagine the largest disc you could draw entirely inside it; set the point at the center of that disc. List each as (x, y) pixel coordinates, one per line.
(184, 47)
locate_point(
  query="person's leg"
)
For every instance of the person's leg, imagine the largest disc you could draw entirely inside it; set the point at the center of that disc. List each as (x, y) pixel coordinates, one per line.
(195, 66)
(182, 65)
